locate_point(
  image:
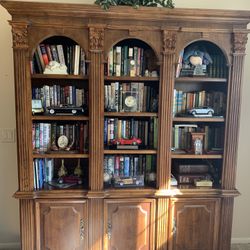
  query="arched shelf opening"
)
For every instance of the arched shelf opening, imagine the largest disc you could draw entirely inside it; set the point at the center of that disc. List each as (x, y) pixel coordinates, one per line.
(59, 55)
(132, 57)
(202, 58)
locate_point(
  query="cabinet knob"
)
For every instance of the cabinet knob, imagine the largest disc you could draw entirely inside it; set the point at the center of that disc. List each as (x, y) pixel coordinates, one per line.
(81, 229)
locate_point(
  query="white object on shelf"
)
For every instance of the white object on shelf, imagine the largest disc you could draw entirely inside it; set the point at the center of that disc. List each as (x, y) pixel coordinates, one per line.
(55, 68)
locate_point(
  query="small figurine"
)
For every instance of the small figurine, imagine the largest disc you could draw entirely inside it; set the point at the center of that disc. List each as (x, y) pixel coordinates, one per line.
(62, 172)
(78, 170)
(55, 68)
(197, 56)
(197, 140)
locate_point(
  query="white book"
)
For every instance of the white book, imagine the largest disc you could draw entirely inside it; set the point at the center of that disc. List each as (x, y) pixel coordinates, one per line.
(77, 60)
(118, 60)
(106, 97)
(110, 62)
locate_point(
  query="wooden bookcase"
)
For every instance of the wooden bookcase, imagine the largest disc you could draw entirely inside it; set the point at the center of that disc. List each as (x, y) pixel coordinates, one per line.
(100, 215)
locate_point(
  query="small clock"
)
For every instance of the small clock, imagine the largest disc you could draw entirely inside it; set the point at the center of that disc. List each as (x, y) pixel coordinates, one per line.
(62, 141)
(130, 101)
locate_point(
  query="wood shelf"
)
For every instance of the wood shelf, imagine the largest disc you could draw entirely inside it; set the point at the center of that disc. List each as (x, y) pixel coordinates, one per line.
(57, 76)
(130, 114)
(130, 78)
(198, 119)
(59, 118)
(193, 156)
(130, 151)
(201, 79)
(60, 155)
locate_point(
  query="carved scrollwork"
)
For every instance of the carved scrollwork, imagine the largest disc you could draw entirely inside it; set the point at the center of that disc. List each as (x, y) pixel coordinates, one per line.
(96, 36)
(20, 35)
(240, 40)
(169, 42)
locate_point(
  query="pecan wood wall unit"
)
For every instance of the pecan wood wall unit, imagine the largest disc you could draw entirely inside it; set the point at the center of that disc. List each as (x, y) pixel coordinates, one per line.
(129, 77)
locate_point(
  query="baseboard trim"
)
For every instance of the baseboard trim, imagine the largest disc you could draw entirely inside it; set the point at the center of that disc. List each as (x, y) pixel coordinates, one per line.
(10, 245)
(240, 240)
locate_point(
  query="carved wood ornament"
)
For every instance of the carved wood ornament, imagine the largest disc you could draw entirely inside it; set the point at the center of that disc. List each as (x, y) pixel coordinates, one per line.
(20, 35)
(96, 36)
(169, 42)
(240, 40)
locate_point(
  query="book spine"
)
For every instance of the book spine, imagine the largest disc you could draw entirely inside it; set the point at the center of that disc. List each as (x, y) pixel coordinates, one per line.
(76, 60)
(126, 166)
(60, 53)
(110, 62)
(44, 54)
(39, 52)
(118, 60)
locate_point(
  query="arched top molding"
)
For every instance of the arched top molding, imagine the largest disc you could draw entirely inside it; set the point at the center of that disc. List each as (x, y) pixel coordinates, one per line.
(214, 42)
(43, 36)
(139, 38)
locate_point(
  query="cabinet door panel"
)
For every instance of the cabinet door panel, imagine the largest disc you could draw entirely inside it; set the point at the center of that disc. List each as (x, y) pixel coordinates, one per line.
(129, 224)
(194, 224)
(61, 225)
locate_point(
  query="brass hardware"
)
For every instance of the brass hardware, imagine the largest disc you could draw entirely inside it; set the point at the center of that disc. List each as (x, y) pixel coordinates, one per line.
(81, 229)
(174, 229)
(109, 230)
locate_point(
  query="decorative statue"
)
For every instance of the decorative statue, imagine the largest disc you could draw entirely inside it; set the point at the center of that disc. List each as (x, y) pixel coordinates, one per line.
(197, 55)
(55, 68)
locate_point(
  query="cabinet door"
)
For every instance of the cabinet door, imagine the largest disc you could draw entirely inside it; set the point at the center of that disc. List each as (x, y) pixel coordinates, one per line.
(194, 224)
(129, 224)
(61, 225)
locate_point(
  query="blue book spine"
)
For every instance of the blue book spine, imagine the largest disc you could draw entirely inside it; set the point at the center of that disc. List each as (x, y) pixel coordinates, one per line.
(126, 166)
(41, 167)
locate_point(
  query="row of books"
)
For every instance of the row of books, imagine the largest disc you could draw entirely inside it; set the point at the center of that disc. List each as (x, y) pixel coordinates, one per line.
(70, 55)
(146, 130)
(43, 172)
(191, 173)
(183, 101)
(126, 61)
(56, 95)
(45, 137)
(129, 165)
(213, 136)
(218, 68)
(116, 96)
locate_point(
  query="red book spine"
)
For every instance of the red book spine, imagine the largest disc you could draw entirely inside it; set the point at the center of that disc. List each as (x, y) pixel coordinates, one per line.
(44, 54)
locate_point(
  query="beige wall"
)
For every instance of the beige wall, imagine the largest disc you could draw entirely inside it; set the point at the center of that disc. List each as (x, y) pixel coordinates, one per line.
(9, 222)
